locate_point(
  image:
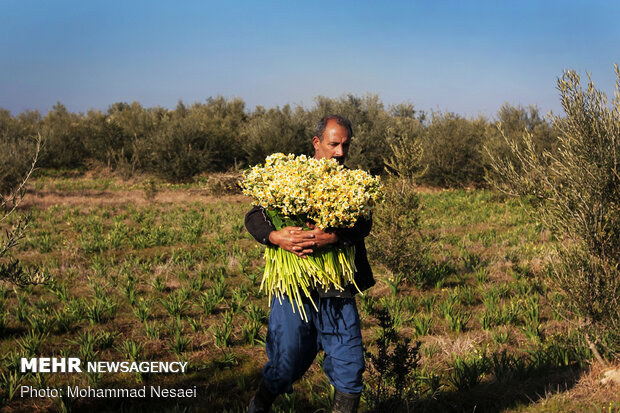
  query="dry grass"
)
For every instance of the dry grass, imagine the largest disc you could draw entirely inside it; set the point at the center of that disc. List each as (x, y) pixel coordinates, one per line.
(587, 394)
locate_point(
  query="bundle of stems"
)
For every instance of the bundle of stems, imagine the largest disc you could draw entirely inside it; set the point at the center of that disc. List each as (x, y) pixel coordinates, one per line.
(287, 273)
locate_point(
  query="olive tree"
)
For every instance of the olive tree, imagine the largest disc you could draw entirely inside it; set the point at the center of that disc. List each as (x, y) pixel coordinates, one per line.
(575, 191)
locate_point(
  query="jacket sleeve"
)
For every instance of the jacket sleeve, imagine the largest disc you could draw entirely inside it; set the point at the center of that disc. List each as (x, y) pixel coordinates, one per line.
(354, 235)
(258, 225)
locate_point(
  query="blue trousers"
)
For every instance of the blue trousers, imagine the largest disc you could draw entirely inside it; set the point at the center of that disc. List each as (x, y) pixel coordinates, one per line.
(292, 343)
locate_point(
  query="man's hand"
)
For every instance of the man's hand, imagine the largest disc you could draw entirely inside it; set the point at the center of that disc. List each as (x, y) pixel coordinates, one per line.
(300, 242)
(322, 238)
(295, 240)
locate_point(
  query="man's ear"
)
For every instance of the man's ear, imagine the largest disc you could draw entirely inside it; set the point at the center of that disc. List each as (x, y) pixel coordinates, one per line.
(315, 142)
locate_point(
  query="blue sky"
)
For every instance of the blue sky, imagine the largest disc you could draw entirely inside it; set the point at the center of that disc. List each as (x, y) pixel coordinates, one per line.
(467, 57)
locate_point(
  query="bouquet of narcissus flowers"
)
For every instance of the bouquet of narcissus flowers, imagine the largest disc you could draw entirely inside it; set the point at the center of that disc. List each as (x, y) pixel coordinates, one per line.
(296, 190)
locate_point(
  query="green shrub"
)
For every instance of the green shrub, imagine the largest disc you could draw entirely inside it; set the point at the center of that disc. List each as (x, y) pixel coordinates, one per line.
(576, 194)
(393, 379)
(453, 150)
(276, 130)
(223, 183)
(63, 133)
(395, 240)
(406, 150)
(17, 146)
(178, 151)
(15, 161)
(513, 122)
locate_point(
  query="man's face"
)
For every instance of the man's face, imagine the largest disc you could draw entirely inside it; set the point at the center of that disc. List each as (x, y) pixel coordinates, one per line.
(335, 142)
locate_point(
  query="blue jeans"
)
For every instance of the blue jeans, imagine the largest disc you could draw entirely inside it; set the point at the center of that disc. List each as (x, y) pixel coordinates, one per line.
(292, 343)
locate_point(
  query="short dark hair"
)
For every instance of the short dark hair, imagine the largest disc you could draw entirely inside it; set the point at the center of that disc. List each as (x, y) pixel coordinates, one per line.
(340, 120)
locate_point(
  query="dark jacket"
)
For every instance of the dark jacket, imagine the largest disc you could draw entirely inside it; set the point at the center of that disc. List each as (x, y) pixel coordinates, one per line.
(260, 227)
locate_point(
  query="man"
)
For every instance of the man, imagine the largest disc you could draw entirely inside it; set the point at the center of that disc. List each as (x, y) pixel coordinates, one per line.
(292, 343)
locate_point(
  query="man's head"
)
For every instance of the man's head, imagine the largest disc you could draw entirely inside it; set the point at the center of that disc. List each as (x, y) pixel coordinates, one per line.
(332, 138)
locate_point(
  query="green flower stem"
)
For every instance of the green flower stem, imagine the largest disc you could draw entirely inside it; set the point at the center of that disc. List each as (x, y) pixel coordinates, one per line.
(286, 273)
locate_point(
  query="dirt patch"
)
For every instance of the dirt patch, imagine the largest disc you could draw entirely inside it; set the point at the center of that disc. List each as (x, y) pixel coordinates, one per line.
(430, 189)
(90, 198)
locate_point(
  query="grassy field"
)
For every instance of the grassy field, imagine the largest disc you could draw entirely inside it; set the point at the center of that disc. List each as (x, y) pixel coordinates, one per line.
(152, 271)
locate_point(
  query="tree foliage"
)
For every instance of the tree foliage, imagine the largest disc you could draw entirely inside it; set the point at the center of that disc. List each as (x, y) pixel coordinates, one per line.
(396, 240)
(576, 193)
(452, 147)
(221, 135)
(276, 130)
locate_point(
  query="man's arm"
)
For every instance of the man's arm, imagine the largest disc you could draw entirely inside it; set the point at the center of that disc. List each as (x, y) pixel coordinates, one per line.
(257, 224)
(343, 237)
(351, 236)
